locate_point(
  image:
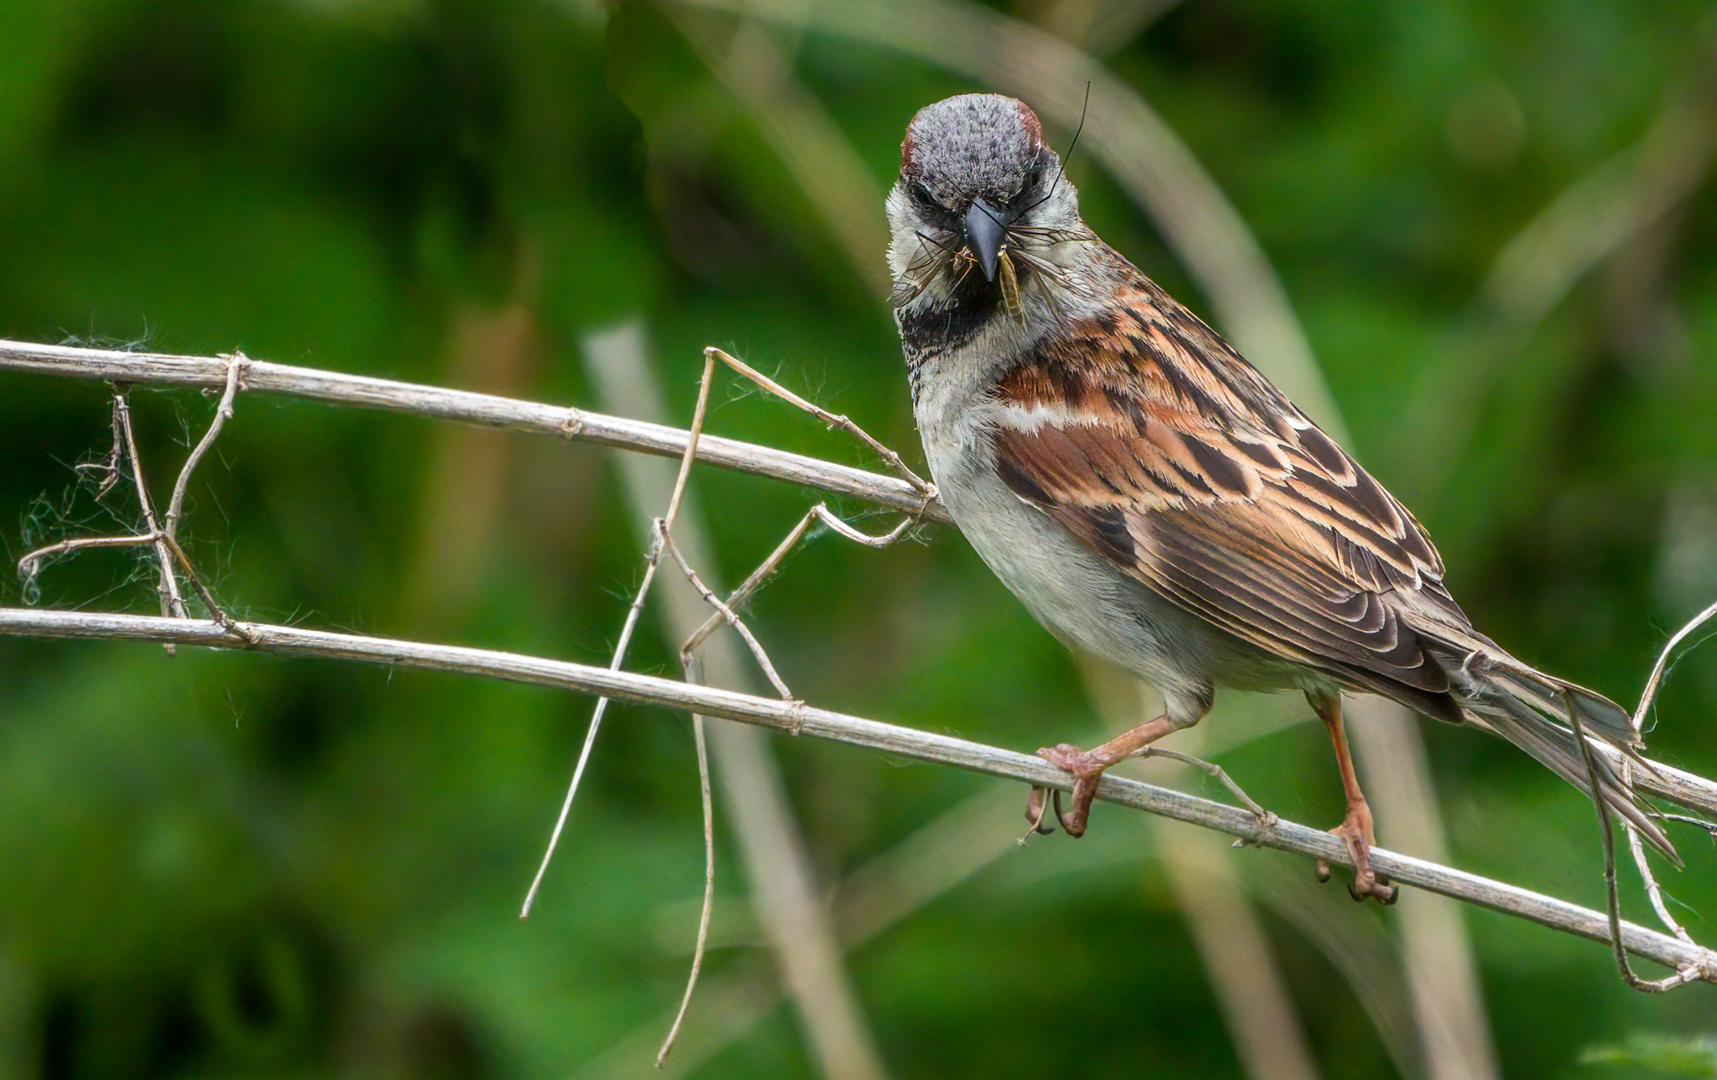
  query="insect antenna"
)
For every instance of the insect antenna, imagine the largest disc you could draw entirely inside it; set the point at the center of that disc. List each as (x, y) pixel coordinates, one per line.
(1061, 169)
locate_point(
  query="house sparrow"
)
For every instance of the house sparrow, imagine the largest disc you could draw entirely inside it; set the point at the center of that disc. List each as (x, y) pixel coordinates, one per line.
(1154, 500)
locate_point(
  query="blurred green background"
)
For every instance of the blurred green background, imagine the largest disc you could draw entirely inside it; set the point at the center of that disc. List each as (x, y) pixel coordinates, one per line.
(1494, 223)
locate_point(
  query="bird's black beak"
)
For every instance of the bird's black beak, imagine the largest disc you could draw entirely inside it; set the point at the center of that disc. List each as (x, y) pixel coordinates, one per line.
(984, 230)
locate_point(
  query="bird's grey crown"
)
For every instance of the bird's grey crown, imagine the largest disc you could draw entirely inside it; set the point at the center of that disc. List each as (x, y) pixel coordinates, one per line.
(973, 146)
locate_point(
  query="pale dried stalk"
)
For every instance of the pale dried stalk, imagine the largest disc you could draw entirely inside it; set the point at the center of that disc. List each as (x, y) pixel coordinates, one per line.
(162, 535)
(1654, 891)
(708, 906)
(725, 614)
(486, 410)
(785, 895)
(1663, 781)
(844, 1047)
(797, 718)
(653, 562)
(1612, 898)
(817, 513)
(168, 589)
(223, 413)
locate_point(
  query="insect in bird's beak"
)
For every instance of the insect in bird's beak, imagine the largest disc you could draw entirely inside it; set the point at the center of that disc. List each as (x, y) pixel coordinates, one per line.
(1010, 287)
(985, 231)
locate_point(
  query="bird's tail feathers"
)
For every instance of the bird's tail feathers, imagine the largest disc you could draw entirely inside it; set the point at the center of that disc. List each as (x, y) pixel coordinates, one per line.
(1531, 710)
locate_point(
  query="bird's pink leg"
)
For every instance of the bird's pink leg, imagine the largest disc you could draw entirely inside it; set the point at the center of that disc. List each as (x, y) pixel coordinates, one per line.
(1356, 827)
(1087, 768)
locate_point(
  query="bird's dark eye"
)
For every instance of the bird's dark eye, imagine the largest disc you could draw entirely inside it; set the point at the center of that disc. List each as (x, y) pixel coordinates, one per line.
(927, 203)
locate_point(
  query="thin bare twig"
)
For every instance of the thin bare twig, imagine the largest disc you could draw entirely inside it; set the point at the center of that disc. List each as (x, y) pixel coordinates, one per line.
(1654, 891)
(725, 614)
(1266, 818)
(1658, 670)
(817, 513)
(485, 410)
(708, 879)
(171, 602)
(223, 413)
(1612, 898)
(653, 561)
(833, 420)
(1660, 780)
(109, 467)
(661, 542)
(801, 719)
(784, 893)
(31, 564)
(163, 536)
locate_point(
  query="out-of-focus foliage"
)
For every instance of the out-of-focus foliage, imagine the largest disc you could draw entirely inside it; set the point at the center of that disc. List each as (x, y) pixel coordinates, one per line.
(1657, 1056)
(217, 864)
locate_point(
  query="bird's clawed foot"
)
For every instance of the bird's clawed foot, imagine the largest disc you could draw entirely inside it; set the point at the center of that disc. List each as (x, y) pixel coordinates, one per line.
(1367, 883)
(1087, 769)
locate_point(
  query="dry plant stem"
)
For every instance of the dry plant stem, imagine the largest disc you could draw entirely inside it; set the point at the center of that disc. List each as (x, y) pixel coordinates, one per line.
(485, 410)
(652, 562)
(725, 614)
(806, 948)
(888, 456)
(692, 673)
(109, 468)
(797, 718)
(214, 609)
(31, 565)
(783, 890)
(171, 602)
(1612, 898)
(1660, 668)
(1663, 781)
(817, 513)
(1653, 890)
(163, 537)
(1266, 819)
(223, 413)
(662, 541)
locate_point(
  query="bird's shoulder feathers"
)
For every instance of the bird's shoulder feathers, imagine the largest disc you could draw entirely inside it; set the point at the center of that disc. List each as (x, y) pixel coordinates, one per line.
(1151, 440)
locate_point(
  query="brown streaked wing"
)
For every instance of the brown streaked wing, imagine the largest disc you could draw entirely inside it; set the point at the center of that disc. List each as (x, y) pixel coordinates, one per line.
(1152, 441)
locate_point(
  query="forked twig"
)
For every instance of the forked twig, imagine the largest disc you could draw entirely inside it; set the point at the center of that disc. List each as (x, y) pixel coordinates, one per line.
(223, 413)
(724, 613)
(817, 513)
(171, 602)
(161, 534)
(1612, 897)
(1654, 891)
(922, 486)
(110, 467)
(1266, 819)
(652, 562)
(662, 543)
